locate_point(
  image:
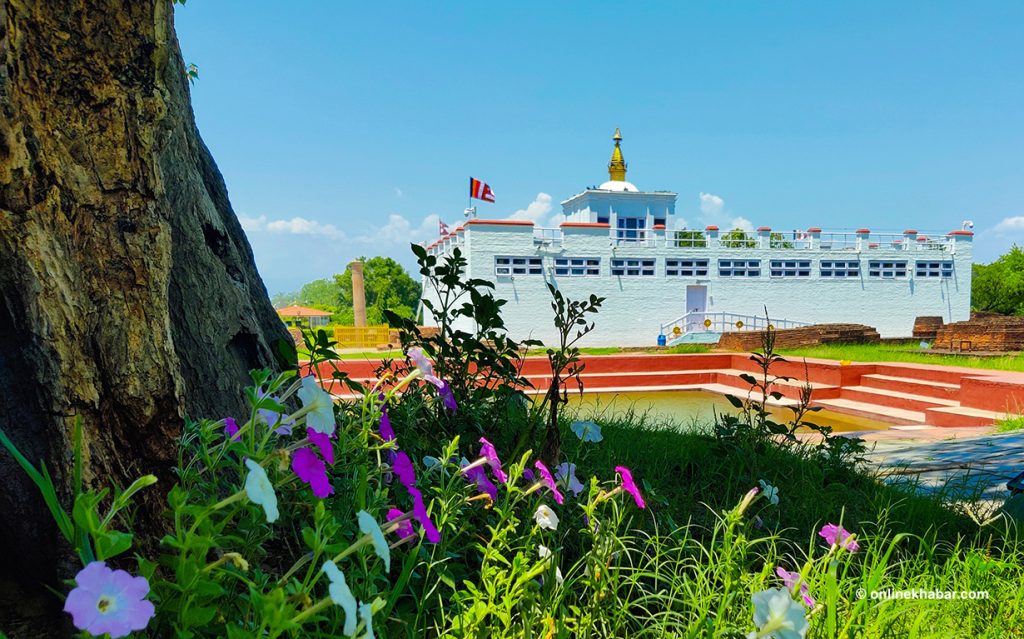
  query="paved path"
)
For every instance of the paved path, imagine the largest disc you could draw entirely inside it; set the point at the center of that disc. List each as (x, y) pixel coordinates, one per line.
(968, 462)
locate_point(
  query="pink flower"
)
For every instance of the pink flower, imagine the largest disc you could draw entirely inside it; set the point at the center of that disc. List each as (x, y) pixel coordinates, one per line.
(837, 535)
(107, 601)
(630, 486)
(419, 512)
(790, 579)
(311, 470)
(487, 450)
(403, 467)
(231, 428)
(323, 443)
(549, 481)
(404, 528)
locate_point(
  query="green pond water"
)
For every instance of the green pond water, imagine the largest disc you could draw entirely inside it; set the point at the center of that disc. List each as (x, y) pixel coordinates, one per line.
(684, 408)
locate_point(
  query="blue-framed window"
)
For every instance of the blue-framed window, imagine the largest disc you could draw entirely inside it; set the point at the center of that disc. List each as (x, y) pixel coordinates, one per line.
(790, 268)
(887, 269)
(686, 268)
(739, 268)
(631, 228)
(578, 266)
(506, 265)
(633, 266)
(840, 268)
(930, 268)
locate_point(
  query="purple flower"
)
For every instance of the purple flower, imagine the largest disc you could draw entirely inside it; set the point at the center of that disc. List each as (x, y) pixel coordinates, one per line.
(834, 534)
(630, 486)
(478, 476)
(565, 473)
(107, 601)
(404, 528)
(272, 418)
(323, 443)
(529, 475)
(422, 363)
(549, 481)
(446, 395)
(487, 450)
(386, 432)
(311, 470)
(419, 512)
(402, 466)
(231, 429)
(790, 579)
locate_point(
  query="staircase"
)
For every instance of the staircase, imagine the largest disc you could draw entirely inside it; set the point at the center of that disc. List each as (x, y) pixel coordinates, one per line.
(701, 327)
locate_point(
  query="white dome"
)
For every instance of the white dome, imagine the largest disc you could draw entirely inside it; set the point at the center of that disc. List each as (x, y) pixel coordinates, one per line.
(618, 185)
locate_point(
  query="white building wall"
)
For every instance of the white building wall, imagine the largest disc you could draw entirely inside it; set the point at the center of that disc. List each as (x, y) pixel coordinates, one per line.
(636, 306)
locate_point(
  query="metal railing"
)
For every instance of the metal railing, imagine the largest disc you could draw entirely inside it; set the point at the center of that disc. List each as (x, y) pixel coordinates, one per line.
(547, 236)
(702, 322)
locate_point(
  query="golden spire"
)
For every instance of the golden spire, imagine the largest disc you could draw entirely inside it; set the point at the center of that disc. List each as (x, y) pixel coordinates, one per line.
(617, 167)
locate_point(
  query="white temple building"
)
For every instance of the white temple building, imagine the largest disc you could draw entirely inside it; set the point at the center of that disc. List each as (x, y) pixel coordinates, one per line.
(664, 285)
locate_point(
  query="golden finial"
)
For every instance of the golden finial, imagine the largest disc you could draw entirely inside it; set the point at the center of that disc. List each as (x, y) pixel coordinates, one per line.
(617, 167)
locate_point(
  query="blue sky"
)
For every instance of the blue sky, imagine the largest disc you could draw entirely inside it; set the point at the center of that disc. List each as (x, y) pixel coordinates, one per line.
(346, 129)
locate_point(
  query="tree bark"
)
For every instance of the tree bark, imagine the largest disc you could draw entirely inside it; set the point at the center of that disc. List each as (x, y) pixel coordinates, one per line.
(128, 293)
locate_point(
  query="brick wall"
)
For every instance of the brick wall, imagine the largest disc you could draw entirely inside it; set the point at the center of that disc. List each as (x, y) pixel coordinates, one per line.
(804, 336)
(983, 333)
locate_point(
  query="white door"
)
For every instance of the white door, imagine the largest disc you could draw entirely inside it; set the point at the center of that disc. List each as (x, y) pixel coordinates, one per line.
(696, 305)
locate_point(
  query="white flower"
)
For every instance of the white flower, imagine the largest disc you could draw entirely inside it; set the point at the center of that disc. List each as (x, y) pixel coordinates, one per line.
(426, 368)
(545, 553)
(778, 616)
(587, 431)
(321, 407)
(341, 595)
(260, 491)
(369, 526)
(545, 517)
(770, 492)
(366, 613)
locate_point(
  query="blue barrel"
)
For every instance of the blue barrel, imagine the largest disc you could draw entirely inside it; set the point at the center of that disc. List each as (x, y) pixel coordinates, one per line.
(661, 340)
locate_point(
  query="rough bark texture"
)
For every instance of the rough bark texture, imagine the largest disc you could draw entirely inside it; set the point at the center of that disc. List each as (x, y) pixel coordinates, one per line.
(128, 292)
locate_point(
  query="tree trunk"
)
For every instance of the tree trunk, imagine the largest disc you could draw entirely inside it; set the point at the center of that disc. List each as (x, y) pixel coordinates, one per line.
(128, 293)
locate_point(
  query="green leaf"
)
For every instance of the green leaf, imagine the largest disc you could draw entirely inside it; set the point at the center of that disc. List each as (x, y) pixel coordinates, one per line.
(735, 401)
(111, 544)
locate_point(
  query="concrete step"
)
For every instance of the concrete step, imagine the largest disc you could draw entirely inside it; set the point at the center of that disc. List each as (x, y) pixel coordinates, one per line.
(894, 399)
(940, 390)
(789, 388)
(943, 374)
(962, 416)
(873, 411)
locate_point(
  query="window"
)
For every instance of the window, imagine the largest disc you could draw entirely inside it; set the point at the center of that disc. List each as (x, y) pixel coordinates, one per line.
(659, 221)
(840, 268)
(578, 266)
(791, 268)
(739, 268)
(633, 266)
(504, 265)
(686, 268)
(631, 228)
(602, 219)
(934, 269)
(889, 270)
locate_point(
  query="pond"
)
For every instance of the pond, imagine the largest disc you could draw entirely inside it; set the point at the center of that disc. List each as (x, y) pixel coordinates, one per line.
(687, 407)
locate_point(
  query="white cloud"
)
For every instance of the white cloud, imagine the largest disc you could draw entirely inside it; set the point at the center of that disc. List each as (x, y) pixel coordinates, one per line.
(399, 230)
(1014, 224)
(714, 213)
(294, 226)
(711, 205)
(536, 212)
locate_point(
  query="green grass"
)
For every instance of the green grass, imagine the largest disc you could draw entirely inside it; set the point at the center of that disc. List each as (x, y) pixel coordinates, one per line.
(1010, 424)
(678, 560)
(905, 353)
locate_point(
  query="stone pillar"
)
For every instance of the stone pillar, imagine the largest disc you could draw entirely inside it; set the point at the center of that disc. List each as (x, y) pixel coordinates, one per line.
(358, 293)
(711, 234)
(862, 239)
(909, 239)
(764, 237)
(814, 238)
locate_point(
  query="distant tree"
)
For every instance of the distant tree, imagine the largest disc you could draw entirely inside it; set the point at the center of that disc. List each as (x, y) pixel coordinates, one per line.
(738, 238)
(284, 298)
(999, 287)
(325, 294)
(387, 285)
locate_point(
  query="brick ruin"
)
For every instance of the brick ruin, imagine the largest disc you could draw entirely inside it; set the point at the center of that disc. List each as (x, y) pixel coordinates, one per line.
(803, 336)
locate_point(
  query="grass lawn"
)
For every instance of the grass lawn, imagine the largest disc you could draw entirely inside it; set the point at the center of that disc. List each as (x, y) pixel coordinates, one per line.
(904, 353)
